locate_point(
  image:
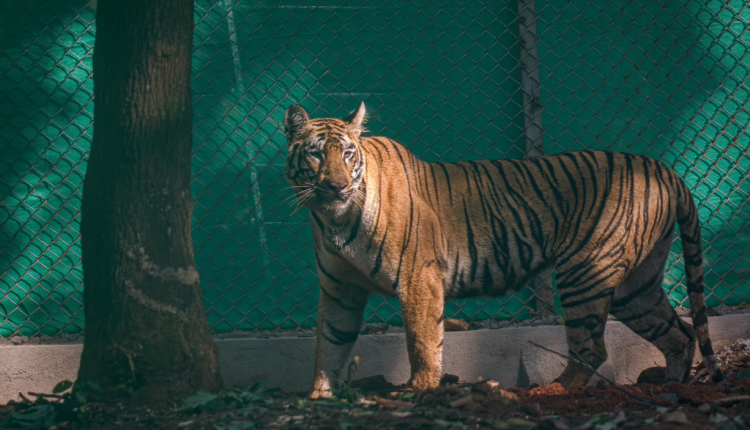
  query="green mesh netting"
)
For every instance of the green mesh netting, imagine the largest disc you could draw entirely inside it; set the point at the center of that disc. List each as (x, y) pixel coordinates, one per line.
(665, 79)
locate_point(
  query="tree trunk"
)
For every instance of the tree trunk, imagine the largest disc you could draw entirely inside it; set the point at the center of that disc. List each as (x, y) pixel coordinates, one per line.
(146, 328)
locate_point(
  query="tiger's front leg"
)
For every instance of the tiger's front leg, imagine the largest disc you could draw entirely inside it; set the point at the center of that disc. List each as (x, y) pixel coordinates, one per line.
(339, 322)
(422, 305)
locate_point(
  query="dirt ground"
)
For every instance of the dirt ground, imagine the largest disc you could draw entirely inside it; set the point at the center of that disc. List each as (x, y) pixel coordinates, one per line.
(374, 403)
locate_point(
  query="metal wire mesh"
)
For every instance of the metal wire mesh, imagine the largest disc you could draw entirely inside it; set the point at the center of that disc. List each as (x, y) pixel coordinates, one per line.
(450, 80)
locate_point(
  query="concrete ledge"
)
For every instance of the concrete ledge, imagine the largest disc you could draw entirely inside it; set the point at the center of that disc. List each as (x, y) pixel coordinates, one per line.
(503, 354)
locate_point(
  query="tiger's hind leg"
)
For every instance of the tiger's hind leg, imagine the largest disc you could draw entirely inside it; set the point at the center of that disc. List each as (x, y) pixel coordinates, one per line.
(641, 304)
(584, 330)
(586, 306)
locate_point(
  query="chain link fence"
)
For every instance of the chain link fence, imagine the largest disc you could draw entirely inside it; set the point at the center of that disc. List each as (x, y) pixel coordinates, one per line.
(450, 80)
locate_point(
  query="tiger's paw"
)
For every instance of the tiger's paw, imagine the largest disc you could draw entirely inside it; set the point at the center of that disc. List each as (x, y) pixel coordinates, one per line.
(321, 389)
(573, 380)
(320, 395)
(575, 375)
(423, 382)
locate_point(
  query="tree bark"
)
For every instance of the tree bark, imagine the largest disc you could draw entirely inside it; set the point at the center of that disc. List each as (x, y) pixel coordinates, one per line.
(146, 328)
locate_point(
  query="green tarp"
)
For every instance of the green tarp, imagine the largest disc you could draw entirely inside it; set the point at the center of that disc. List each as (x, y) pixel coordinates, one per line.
(666, 79)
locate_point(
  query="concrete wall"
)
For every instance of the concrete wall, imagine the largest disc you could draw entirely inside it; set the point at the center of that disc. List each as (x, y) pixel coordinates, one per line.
(504, 355)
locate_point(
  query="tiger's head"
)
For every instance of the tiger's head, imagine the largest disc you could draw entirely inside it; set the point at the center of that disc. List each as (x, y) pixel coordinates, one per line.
(325, 162)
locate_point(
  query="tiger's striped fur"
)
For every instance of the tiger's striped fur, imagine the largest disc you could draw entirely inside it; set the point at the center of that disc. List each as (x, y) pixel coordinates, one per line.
(386, 222)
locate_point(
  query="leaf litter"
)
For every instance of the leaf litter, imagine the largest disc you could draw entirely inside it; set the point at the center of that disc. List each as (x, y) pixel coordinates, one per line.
(374, 403)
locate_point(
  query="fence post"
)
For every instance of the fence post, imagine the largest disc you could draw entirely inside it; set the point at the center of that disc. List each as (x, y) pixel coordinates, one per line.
(532, 121)
(228, 7)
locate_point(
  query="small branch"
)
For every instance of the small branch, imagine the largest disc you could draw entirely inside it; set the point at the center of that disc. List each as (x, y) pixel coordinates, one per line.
(392, 404)
(54, 396)
(734, 399)
(583, 363)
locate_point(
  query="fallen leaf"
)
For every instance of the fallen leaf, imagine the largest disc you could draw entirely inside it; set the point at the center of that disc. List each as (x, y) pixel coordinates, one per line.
(507, 394)
(62, 386)
(611, 425)
(677, 417)
(620, 417)
(259, 386)
(486, 387)
(514, 423)
(33, 418)
(204, 401)
(463, 401)
(450, 324)
(597, 419)
(729, 400)
(493, 387)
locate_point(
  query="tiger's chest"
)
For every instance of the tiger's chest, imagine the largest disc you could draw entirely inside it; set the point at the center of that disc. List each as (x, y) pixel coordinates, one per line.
(351, 255)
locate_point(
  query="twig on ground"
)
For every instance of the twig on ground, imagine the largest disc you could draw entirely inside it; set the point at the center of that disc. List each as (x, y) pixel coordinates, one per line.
(463, 401)
(54, 396)
(392, 404)
(734, 399)
(583, 363)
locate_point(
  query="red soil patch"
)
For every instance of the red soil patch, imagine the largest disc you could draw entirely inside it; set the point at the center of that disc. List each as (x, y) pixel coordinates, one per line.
(593, 400)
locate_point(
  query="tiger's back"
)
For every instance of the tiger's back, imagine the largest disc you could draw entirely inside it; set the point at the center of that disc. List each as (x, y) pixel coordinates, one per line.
(552, 211)
(424, 232)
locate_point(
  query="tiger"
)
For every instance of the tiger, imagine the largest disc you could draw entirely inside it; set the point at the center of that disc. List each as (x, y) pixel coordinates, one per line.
(385, 222)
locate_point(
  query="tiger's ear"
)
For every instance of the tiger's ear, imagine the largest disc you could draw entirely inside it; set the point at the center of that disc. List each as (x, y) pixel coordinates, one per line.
(295, 121)
(356, 119)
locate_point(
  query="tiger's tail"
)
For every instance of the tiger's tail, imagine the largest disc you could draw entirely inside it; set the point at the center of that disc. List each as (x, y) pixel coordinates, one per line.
(690, 235)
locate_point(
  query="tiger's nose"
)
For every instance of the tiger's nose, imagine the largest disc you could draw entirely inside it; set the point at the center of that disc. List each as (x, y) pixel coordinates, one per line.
(338, 186)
